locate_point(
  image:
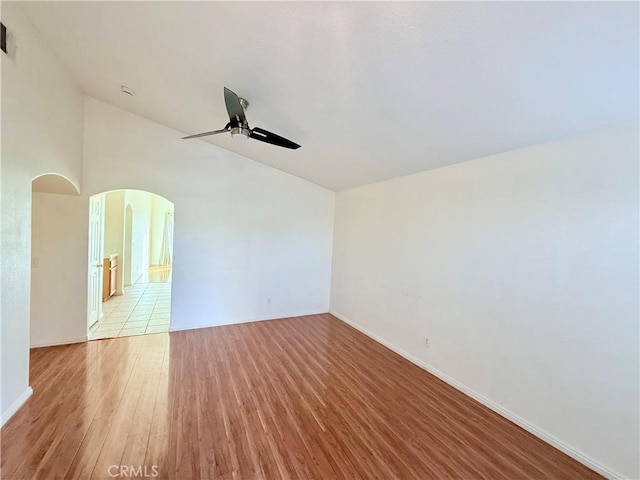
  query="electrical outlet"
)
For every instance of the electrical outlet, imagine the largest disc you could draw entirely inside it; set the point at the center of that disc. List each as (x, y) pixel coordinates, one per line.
(426, 342)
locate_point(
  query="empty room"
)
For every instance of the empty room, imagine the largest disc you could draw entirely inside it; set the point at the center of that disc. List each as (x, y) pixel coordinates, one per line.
(320, 240)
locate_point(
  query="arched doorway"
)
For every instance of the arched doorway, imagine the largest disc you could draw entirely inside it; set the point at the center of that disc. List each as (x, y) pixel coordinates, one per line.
(132, 231)
(58, 234)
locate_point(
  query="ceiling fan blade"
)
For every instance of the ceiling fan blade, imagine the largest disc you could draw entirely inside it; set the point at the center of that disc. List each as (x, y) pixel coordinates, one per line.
(234, 107)
(268, 137)
(214, 132)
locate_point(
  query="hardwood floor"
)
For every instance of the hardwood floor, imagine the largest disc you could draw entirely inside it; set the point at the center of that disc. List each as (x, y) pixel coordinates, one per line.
(306, 397)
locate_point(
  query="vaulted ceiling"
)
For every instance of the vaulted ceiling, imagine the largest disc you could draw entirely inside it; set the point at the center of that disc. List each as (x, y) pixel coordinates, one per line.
(370, 90)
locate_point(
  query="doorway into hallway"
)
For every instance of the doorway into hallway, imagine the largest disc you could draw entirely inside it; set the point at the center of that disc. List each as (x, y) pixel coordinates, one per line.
(133, 232)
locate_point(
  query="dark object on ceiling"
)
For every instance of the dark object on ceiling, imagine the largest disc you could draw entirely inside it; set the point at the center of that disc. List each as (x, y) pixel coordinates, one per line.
(239, 127)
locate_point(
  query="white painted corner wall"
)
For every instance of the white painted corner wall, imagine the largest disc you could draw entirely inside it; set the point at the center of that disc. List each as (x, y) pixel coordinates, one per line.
(522, 270)
(58, 270)
(250, 242)
(42, 110)
(243, 250)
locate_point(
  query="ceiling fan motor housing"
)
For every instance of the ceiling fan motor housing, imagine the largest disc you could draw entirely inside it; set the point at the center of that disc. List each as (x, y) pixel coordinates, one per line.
(240, 132)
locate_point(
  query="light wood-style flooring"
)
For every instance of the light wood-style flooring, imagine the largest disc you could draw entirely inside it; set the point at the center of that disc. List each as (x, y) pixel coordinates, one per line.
(305, 398)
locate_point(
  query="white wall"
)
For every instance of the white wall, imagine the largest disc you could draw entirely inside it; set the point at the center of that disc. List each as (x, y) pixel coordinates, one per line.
(41, 133)
(113, 222)
(522, 270)
(114, 231)
(59, 268)
(141, 204)
(243, 249)
(250, 242)
(159, 208)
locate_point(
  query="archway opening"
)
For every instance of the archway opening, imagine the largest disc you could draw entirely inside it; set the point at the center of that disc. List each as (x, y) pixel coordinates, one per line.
(130, 264)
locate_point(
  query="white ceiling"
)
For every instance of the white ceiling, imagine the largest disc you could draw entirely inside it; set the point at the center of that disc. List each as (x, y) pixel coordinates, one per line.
(370, 90)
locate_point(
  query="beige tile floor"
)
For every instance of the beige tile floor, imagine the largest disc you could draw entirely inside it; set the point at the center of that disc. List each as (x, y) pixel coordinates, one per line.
(144, 308)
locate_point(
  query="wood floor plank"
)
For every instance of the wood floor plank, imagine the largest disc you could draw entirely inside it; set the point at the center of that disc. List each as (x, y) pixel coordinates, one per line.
(137, 440)
(298, 398)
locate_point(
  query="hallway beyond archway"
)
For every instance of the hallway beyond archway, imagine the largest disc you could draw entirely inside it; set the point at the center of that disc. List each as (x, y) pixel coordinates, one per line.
(136, 246)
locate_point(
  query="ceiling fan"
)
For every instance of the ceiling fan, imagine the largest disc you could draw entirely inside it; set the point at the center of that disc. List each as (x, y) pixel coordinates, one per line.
(239, 127)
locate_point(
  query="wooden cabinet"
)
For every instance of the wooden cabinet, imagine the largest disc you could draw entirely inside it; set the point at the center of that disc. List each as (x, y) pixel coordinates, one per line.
(109, 276)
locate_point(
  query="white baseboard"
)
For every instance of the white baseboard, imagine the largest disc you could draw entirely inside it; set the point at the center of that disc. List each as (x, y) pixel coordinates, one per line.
(6, 415)
(521, 422)
(235, 322)
(59, 342)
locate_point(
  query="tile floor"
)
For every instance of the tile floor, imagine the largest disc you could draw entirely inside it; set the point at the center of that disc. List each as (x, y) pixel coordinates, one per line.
(144, 308)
